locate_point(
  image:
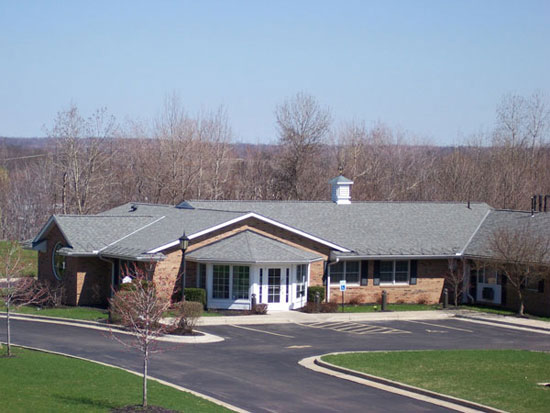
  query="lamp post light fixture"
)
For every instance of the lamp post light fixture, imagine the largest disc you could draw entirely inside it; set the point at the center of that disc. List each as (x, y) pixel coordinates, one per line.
(184, 243)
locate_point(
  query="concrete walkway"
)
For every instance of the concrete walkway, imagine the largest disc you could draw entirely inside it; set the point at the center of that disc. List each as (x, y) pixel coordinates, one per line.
(285, 317)
(503, 320)
(297, 317)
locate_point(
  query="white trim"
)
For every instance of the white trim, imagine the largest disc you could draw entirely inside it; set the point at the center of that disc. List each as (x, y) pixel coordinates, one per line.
(252, 262)
(475, 232)
(261, 218)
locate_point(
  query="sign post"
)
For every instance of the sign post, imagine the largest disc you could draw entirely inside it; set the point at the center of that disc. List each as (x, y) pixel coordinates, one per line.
(343, 289)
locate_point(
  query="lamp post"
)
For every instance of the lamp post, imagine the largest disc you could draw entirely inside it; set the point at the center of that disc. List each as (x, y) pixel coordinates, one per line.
(184, 243)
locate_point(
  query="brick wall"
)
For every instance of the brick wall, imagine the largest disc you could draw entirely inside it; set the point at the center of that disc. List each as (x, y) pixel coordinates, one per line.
(535, 303)
(169, 269)
(45, 266)
(93, 281)
(86, 281)
(428, 289)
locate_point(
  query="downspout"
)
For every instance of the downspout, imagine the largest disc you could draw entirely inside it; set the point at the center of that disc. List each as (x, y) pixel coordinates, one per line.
(326, 277)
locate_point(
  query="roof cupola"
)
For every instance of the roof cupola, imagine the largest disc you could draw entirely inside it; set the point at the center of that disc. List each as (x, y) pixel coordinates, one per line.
(341, 190)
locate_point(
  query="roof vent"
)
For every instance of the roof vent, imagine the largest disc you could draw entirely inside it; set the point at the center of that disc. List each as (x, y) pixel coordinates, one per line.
(341, 190)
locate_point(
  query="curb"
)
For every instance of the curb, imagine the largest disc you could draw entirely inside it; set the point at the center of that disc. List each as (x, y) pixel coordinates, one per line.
(202, 339)
(396, 387)
(166, 383)
(304, 318)
(504, 323)
(45, 317)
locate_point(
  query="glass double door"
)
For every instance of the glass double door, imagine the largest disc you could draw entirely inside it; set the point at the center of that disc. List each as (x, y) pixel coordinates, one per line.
(275, 286)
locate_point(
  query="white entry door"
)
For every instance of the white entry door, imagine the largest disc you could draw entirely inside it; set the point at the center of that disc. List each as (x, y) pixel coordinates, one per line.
(275, 287)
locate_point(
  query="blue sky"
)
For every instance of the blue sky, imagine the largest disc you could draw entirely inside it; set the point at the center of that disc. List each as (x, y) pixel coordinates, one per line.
(434, 69)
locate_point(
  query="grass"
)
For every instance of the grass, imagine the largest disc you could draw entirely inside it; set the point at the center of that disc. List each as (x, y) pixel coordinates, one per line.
(76, 313)
(173, 313)
(28, 257)
(501, 311)
(368, 308)
(35, 381)
(505, 379)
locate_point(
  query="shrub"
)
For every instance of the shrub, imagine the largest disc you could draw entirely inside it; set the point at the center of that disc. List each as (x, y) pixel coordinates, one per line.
(260, 309)
(196, 294)
(311, 293)
(311, 308)
(355, 301)
(132, 286)
(331, 307)
(423, 300)
(187, 315)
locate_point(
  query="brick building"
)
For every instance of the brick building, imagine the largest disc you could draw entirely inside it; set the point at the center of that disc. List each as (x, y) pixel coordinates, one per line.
(275, 250)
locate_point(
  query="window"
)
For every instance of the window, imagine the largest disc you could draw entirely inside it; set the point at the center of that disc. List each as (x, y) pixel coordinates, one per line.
(59, 262)
(220, 281)
(394, 272)
(274, 285)
(201, 276)
(486, 276)
(301, 278)
(345, 270)
(532, 283)
(241, 282)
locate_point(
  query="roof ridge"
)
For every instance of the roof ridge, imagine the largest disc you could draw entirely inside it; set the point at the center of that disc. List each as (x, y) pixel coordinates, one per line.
(331, 202)
(517, 210)
(101, 216)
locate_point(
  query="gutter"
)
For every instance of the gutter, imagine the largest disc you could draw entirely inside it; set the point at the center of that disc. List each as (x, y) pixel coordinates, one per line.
(395, 256)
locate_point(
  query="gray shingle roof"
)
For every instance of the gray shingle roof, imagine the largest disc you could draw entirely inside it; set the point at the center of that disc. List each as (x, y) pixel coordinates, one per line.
(538, 224)
(374, 228)
(340, 179)
(251, 247)
(365, 228)
(88, 233)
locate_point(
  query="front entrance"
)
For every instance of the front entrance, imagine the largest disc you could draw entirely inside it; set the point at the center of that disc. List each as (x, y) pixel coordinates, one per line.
(489, 286)
(275, 287)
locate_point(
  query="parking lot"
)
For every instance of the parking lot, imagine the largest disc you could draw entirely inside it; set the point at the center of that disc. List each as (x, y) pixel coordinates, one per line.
(256, 366)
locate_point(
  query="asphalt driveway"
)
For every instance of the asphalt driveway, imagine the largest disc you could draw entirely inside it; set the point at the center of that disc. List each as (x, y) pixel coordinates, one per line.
(256, 367)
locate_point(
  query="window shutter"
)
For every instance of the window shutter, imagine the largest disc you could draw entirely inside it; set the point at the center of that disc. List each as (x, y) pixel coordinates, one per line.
(376, 274)
(364, 273)
(413, 272)
(541, 286)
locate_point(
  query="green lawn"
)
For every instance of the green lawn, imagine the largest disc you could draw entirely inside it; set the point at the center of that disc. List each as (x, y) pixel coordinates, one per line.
(29, 258)
(502, 311)
(505, 379)
(77, 313)
(40, 382)
(368, 308)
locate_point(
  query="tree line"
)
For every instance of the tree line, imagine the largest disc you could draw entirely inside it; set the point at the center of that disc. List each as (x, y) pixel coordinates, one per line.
(88, 164)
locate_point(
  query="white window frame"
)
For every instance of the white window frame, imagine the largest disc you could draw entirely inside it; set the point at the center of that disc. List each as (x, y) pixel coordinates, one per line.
(231, 267)
(58, 276)
(393, 282)
(337, 282)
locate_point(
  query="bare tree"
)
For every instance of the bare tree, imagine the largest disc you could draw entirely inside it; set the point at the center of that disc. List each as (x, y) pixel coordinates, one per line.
(454, 278)
(82, 158)
(303, 126)
(19, 290)
(140, 307)
(521, 255)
